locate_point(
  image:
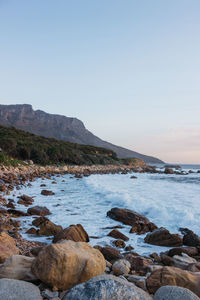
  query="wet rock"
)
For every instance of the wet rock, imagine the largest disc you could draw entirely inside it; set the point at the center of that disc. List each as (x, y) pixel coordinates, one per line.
(31, 230)
(10, 204)
(118, 235)
(17, 267)
(47, 193)
(7, 246)
(47, 228)
(119, 243)
(25, 200)
(66, 264)
(74, 233)
(175, 277)
(106, 287)
(129, 248)
(132, 218)
(121, 267)
(38, 210)
(174, 293)
(111, 254)
(190, 238)
(162, 237)
(17, 213)
(191, 251)
(140, 281)
(18, 290)
(133, 177)
(138, 263)
(168, 171)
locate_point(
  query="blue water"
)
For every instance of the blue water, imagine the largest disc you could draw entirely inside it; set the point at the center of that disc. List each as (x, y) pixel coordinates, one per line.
(171, 201)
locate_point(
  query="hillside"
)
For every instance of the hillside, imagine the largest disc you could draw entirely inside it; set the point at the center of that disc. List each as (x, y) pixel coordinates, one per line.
(60, 127)
(27, 146)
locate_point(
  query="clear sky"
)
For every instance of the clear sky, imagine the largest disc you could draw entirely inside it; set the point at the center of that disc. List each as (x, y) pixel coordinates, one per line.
(129, 69)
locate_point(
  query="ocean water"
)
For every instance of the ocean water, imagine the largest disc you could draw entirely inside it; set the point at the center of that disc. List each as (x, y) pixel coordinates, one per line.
(171, 201)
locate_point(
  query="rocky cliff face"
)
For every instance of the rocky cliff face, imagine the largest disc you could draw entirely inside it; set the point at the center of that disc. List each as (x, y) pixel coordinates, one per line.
(60, 127)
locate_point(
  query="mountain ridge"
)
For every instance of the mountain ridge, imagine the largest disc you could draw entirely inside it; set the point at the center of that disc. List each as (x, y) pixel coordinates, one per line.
(22, 116)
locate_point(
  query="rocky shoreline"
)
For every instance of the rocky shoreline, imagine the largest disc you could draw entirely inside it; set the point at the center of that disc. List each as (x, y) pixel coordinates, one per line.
(69, 268)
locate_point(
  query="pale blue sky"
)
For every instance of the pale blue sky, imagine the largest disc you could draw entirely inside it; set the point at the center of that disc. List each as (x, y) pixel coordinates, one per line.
(130, 70)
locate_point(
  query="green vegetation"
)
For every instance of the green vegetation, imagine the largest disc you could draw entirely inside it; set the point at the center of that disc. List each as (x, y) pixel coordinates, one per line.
(21, 145)
(6, 160)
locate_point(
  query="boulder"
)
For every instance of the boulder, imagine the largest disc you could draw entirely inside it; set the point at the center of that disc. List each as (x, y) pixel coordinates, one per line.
(47, 228)
(191, 251)
(17, 267)
(168, 171)
(121, 267)
(25, 200)
(7, 246)
(17, 213)
(162, 237)
(38, 210)
(11, 289)
(138, 263)
(74, 233)
(175, 277)
(174, 293)
(47, 193)
(119, 243)
(106, 287)
(190, 238)
(118, 235)
(111, 254)
(139, 223)
(66, 264)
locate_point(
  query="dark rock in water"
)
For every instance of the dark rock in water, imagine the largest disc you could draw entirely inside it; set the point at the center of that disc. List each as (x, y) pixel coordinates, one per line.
(18, 290)
(79, 176)
(191, 251)
(42, 185)
(174, 293)
(138, 263)
(168, 171)
(173, 276)
(17, 213)
(26, 200)
(74, 233)
(118, 235)
(133, 177)
(162, 237)
(38, 210)
(47, 228)
(10, 205)
(47, 193)
(190, 238)
(106, 287)
(110, 253)
(139, 223)
(31, 230)
(119, 243)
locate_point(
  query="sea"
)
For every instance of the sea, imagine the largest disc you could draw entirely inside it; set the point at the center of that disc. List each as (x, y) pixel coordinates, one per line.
(170, 201)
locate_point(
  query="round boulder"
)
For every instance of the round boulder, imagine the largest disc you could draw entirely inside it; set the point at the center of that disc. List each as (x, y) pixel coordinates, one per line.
(66, 264)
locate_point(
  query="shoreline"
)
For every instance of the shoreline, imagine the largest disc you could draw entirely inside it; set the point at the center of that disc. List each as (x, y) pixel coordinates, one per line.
(141, 269)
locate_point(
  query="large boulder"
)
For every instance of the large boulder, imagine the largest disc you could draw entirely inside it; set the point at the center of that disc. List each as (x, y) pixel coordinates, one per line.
(11, 289)
(106, 287)
(46, 227)
(174, 293)
(175, 277)
(66, 264)
(191, 251)
(17, 267)
(139, 223)
(38, 210)
(162, 237)
(74, 233)
(7, 246)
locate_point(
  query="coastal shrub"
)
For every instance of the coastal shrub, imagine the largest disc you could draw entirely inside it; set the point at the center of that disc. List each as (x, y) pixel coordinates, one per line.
(23, 145)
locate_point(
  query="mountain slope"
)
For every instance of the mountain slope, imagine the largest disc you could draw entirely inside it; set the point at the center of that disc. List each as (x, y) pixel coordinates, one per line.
(23, 117)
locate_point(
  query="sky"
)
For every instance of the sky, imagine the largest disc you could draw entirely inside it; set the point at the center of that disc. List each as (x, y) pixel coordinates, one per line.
(129, 69)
